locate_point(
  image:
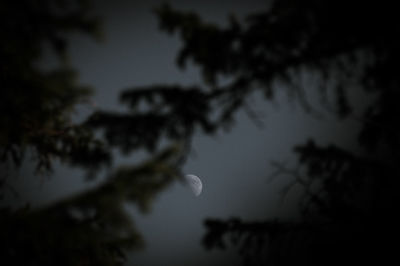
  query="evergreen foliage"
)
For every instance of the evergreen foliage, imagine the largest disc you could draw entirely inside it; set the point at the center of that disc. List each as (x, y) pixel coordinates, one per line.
(349, 198)
(92, 227)
(349, 201)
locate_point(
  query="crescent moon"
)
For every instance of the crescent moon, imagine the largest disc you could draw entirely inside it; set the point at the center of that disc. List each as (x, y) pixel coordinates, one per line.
(194, 183)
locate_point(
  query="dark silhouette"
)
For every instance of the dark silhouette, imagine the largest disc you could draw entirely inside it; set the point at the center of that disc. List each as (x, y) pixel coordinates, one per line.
(350, 199)
(349, 203)
(91, 228)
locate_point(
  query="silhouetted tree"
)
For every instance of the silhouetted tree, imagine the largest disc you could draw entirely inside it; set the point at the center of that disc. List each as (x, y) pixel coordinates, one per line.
(349, 198)
(36, 104)
(91, 228)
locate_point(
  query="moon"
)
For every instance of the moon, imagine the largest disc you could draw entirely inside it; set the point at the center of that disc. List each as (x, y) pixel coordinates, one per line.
(194, 183)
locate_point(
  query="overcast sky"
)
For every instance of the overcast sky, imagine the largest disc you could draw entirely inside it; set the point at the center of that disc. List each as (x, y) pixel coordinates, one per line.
(233, 165)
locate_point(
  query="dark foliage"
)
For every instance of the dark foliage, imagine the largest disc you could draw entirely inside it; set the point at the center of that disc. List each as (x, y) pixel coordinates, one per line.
(36, 104)
(91, 228)
(349, 199)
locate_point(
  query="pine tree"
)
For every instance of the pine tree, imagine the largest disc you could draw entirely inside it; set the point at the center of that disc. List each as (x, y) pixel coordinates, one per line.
(92, 227)
(337, 41)
(349, 202)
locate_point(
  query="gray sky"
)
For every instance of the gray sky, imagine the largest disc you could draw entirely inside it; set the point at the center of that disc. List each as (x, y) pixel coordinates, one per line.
(233, 165)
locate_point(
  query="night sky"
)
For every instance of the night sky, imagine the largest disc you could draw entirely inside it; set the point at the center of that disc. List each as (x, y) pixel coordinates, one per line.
(234, 165)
